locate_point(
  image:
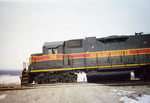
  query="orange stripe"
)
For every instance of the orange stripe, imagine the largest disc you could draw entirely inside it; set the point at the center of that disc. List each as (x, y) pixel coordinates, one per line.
(92, 54)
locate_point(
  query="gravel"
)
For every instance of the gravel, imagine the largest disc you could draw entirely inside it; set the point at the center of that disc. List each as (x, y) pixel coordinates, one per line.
(77, 93)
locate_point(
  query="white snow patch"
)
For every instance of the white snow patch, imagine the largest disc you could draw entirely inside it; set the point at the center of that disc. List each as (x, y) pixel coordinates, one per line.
(7, 79)
(132, 73)
(82, 77)
(3, 96)
(121, 92)
(130, 96)
(132, 76)
(142, 99)
(125, 99)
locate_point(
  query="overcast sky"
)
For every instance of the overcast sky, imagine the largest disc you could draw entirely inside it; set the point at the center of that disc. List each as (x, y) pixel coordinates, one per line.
(26, 25)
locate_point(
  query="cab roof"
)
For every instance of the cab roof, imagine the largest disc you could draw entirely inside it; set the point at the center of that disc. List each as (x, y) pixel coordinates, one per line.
(53, 44)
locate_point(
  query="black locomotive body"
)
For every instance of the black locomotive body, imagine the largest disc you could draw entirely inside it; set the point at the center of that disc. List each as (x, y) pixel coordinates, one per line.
(108, 58)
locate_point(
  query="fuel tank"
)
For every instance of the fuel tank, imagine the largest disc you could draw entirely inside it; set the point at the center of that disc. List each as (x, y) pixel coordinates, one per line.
(108, 76)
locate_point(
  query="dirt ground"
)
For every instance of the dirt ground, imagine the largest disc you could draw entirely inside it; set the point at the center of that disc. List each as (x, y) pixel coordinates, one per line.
(71, 93)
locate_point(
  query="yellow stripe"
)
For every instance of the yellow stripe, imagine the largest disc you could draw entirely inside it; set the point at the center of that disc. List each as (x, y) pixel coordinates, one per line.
(91, 67)
(88, 67)
(50, 70)
(24, 78)
(104, 66)
(95, 52)
(24, 82)
(25, 74)
(132, 64)
(87, 57)
(118, 65)
(47, 59)
(107, 56)
(104, 55)
(108, 51)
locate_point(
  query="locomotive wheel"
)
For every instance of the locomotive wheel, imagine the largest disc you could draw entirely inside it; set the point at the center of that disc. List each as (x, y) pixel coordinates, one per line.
(75, 77)
(54, 78)
(41, 79)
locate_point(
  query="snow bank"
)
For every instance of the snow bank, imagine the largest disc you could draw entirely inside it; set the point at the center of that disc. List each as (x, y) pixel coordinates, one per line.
(130, 96)
(3, 96)
(7, 79)
(81, 77)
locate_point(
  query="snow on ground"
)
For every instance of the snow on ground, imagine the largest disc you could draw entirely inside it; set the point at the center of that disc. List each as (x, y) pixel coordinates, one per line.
(81, 77)
(7, 79)
(136, 99)
(130, 96)
(2, 96)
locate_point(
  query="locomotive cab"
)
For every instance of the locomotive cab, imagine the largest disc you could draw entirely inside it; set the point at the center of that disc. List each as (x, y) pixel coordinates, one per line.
(53, 47)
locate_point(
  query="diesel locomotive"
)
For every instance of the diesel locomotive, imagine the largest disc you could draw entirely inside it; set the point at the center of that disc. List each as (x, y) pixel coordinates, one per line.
(108, 58)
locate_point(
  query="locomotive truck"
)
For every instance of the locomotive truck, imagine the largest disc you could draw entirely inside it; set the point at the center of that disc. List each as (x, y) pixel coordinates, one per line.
(102, 59)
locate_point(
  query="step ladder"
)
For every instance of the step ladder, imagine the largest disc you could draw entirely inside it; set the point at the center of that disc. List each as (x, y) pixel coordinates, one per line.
(24, 77)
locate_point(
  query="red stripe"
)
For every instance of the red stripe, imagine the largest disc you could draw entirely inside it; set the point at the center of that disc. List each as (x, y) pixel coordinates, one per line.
(142, 51)
(82, 55)
(134, 51)
(46, 57)
(59, 56)
(86, 55)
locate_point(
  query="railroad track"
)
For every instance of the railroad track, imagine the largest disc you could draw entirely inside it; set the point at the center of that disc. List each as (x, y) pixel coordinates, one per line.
(116, 83)
(14, 87)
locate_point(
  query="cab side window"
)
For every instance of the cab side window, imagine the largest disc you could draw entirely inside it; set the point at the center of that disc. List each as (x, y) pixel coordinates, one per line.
(49, 51)
(52, 51)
